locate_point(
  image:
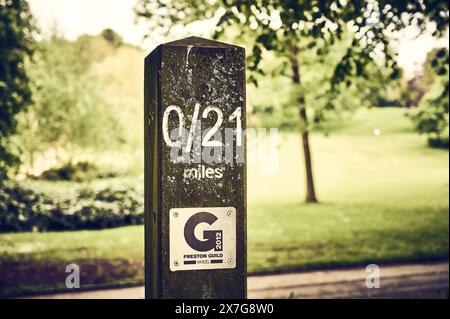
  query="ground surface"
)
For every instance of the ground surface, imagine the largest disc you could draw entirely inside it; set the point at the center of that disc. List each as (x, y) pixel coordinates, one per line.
(428, 280)
(384, 197)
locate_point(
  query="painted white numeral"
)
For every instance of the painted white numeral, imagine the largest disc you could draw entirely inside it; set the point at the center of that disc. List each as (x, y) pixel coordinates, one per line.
(206, 139)
(165, 125)
(237, 115)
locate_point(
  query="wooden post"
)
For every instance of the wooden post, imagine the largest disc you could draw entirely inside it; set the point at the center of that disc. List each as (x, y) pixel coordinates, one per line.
(195, 175)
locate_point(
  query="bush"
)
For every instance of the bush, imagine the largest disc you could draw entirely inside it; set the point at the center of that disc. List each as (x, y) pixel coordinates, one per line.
(24, 210)
(432, 119)
(438, 142)
(76, 172)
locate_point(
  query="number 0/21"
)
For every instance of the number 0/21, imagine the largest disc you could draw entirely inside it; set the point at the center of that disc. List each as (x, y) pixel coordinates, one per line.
(206, 141)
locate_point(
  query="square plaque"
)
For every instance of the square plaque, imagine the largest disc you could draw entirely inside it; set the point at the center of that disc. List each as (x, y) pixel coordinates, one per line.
(202, 238)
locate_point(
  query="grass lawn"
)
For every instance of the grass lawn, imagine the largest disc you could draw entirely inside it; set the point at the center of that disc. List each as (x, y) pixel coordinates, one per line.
(383, 198)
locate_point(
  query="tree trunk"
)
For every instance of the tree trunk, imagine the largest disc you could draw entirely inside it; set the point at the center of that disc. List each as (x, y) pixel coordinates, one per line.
(310, 188)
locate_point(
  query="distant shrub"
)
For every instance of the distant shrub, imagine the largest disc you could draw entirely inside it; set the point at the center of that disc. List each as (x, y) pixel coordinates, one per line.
(112, 37)
(432, 119)
(24, 210)
(77, 172)
(438, 142)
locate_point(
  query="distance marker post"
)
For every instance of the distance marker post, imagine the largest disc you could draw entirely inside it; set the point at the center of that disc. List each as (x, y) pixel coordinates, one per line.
(195, 173)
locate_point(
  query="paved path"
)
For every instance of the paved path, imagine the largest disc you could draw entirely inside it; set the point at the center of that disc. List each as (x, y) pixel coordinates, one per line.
(427, 280)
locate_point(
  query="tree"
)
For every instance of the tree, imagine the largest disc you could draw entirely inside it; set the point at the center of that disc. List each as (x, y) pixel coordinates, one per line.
(432, 115)
(435, 68)
(16, 44)
(112, 37)
(291, 27)
(414, 91)
(69, 109)
(275, 109)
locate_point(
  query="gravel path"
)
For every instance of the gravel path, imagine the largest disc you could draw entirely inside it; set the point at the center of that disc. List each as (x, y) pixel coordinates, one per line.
(426, 280)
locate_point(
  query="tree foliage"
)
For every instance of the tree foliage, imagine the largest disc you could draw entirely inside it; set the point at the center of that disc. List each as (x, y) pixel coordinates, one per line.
(291, 28)
(16, 44)
(280, 25)
(432, 116)
(112, 37)
(435, 67)
(276, 108)
(69, 109)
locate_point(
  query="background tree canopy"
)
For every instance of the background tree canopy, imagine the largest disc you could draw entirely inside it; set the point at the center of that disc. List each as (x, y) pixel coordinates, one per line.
(69, 108)
(290, 28)
(16, 44)
(432, 116)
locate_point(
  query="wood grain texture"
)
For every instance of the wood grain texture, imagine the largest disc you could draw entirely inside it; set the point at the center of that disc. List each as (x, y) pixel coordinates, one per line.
(184, 73)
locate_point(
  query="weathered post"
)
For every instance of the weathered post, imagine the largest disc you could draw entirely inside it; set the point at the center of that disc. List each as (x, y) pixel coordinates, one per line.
(195, 174)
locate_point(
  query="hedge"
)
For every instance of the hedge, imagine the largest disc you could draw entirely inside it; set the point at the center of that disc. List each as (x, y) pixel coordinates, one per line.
(24, 210)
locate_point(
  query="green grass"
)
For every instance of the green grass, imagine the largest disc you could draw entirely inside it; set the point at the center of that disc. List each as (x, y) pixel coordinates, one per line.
(36, 262)
(383, 198)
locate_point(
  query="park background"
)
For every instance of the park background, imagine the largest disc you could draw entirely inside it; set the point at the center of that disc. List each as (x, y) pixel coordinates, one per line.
(71, 159)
